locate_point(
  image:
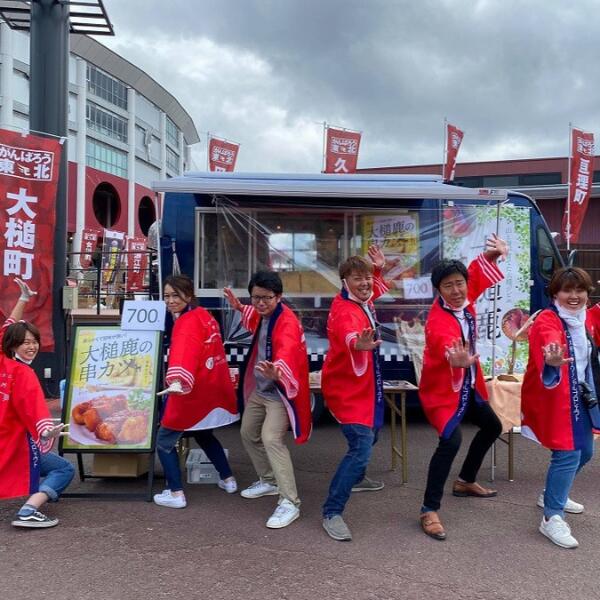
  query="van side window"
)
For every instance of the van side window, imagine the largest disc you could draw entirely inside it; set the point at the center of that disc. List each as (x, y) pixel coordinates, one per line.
(547, 259)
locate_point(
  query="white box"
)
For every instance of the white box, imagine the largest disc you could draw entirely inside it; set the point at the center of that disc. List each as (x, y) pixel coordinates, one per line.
(200, 469)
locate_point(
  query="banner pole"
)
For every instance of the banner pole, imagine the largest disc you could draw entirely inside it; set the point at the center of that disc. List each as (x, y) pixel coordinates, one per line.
(568, 232)
(445, 149)
(207, 151)
(324, 147)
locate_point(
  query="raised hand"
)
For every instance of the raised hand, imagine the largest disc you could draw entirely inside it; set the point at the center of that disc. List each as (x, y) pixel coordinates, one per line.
(366, 340)
(233, 300)
(459, 355)
(554, 355)
(496, 247)
(376, 255)
(26, 291)
(268, 369)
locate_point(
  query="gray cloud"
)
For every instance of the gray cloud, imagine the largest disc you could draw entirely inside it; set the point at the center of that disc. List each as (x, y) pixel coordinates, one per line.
(266, 73)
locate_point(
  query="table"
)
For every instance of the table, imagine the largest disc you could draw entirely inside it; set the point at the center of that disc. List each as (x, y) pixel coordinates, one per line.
(505, 398)
(392, 389)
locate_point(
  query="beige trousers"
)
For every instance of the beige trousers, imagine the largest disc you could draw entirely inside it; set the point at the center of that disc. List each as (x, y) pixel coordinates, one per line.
(264, 426)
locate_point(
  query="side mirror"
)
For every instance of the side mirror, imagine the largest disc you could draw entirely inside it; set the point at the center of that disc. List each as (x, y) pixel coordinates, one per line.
(571, 259)
(547, 264)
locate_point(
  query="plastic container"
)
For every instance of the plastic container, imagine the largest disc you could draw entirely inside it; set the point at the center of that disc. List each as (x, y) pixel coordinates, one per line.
(200, 469)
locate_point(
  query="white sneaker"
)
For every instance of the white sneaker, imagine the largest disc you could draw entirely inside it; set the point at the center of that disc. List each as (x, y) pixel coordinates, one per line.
(571, 506)
(260, 488)
(557, 530)
(230, 486)
(165, 498)
(284, 514)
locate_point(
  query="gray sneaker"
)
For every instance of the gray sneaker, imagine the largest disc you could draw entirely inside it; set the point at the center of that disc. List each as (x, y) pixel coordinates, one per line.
(368, 485)
(337, 529)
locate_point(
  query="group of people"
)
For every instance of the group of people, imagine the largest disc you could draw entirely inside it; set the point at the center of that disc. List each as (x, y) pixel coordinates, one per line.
(559, 405)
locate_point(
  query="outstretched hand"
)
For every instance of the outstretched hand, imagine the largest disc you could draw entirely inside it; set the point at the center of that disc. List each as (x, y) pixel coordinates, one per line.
(233, 300)
(366, 340)
(554, 355)
(459, 354)
(268, 369)
(377, 256)
(174, 388)
(26, 291)
(55, 431)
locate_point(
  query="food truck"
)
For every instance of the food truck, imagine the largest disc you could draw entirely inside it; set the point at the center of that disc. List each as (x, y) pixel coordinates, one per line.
(219, 228)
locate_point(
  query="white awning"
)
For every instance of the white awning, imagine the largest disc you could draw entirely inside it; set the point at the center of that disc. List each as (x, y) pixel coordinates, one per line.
(324, 185)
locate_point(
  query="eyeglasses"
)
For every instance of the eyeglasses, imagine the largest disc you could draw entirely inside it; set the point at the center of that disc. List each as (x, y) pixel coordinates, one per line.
(258, 299)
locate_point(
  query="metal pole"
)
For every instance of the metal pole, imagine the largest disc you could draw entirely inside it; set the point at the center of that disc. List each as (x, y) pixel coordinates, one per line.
(444, 150)
(568, 232)
(324, 146)
(48, 112)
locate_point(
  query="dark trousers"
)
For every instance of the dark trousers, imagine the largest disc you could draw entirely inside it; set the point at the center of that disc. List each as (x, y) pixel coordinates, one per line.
(206, 439)
(439, 468)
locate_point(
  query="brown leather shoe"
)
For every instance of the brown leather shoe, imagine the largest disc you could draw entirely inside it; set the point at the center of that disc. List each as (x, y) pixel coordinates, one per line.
(463, 489)
(432, 526)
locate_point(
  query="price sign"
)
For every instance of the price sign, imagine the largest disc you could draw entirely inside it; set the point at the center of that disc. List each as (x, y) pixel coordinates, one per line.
(146, 315)
(417, 288)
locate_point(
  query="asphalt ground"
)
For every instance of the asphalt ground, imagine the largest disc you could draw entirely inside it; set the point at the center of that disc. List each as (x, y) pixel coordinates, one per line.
(219, 548)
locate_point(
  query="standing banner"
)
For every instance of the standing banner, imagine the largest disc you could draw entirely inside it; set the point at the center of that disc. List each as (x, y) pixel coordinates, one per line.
(341, 150)
(29, 171)
(454, 137)
(137, 264)
(112, 248)
(506, 304)
(222, 155)
(581, 169)
(110, 403)
(89, 242)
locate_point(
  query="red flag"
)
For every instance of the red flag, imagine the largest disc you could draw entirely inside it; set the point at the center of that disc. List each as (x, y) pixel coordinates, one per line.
(222, 155)
(454, 137)
(89, 242)
(29, 170)
(580, 182)
(137, 264)
(341, 154)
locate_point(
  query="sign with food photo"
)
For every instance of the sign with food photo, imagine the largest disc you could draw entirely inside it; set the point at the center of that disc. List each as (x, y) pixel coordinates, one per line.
(110, 402)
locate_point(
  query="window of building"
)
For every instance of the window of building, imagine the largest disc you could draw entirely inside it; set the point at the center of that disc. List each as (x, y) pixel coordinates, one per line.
(106, 204)
(146, 214)
(540, 179)
(172, 133)
(106, 123)
(517, 180)
(105, 158)
(106, 87)
(172, 160)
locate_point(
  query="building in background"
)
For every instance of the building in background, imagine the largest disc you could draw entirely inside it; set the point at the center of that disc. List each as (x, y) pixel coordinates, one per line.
(125, 131)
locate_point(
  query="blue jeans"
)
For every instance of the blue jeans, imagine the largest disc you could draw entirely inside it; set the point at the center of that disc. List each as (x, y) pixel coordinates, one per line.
(352, 469)
(57, 473)
(206, 439)
(166, 440)
(564, 465)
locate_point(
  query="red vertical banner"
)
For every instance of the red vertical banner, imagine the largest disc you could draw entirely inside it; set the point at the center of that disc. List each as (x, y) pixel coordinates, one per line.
(29, 168)
(454, 138)
(89, 242)
(222, 155)
(581, 169)
(341, 150)
(137, 264)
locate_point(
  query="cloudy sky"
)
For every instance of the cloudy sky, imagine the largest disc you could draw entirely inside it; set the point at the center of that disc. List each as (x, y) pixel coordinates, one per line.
(267, 73)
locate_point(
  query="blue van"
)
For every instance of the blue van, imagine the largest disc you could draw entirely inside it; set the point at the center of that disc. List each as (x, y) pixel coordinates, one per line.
(218, 228)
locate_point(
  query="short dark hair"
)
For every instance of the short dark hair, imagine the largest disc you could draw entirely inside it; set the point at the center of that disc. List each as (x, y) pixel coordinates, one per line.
(355, 264)
(568, 278)
(14, 336)
(183, 285)
(268, 280)
(445, 268)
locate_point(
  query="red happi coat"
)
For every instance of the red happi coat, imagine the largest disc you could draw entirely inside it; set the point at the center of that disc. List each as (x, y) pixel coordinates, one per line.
(289, 354)
(440, 385)
(197, 360)
(592, 322)
(24, 416)
(551, 415)
(349, 383)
